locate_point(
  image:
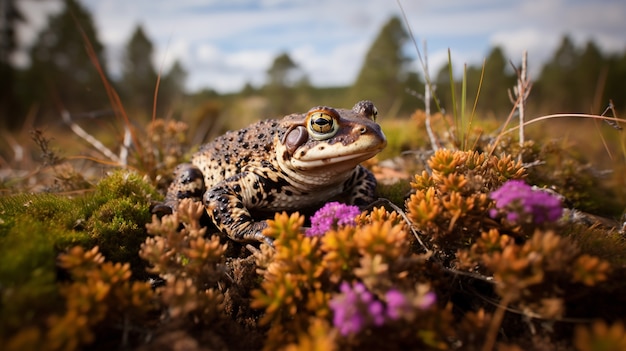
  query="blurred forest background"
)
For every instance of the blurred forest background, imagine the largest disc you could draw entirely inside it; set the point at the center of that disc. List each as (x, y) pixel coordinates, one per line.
(62, 77)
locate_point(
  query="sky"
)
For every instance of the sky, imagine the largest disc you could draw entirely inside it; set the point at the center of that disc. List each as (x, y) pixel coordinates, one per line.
(224, 44)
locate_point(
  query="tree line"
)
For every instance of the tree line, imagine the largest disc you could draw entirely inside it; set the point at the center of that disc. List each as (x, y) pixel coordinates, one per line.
(62, 76)
(573, 80)
(63, 72)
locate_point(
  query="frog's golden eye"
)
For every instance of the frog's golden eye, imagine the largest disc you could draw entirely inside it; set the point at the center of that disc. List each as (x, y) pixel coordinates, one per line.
(322, 124)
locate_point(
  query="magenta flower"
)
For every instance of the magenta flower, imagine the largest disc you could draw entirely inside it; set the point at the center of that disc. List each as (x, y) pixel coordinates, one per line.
(355, 308)
(332, 216)
(427, 300)
(521, 203)
(396, 304)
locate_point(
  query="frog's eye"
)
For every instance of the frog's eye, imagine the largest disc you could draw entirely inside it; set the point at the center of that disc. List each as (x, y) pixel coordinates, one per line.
(322, 124)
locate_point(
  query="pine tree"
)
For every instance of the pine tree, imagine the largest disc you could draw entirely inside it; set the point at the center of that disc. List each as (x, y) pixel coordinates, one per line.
(591, 75)
(498, 78)
(139, 76)
(615, 83)
(281, 78)
(177, 75)
(172, 87)
(558, 79)
(443, 92)
(62, 74)
(10, 16)
(384, 71)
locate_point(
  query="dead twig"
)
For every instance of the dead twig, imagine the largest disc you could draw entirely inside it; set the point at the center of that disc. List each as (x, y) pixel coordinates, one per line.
(520, 94)
(383, 201)
(78, 130)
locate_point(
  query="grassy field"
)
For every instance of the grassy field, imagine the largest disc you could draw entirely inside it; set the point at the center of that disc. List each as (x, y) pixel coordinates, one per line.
(485, 244)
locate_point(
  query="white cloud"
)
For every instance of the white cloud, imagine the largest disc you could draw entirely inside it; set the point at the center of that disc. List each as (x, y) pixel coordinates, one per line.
(333, 66)
(208, 53)
(227, 71)
(538, 44)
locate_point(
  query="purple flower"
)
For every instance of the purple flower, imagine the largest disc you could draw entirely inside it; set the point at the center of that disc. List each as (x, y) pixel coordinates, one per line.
(427, 300)
(347, 317)
(355, 308)
(396, 304)
(332, 216)
(519, 201)
(375, 310)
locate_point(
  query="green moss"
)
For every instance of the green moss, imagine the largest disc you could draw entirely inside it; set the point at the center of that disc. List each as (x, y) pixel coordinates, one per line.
(396, 192)
(125, 184)
(116, 217)
(25, 303)
(401, 135)
(118, 228)
(597, 241)
(35, 228)
(54, 210)
(28, 250)
(30, 245)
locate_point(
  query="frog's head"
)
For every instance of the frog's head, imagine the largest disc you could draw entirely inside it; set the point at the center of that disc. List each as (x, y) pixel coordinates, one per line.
(330, 140)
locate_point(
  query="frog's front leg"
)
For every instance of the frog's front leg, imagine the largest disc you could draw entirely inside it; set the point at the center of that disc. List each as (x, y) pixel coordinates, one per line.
(361, 187)
(188, 183)
(226, 204)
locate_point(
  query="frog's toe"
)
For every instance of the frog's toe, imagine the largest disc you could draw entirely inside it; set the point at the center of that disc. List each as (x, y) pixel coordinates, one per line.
(189, 182)
(161, 210)
(262, 238)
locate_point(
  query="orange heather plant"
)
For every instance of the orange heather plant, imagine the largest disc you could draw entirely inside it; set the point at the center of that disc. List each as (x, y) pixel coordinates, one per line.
(341, 253)
(480, 217)
(357, 275)
(544, 258)
(319, 336)
(590, 270)
(167, 141)
(189, 263)
(100, 296)
(292, 286)
(600, 336)
(450, 205)
(100, 290)
(535, 276)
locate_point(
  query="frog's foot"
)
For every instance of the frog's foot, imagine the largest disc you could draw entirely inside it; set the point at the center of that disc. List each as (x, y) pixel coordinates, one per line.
(255, 234)
(188, 184)
(226, 208)
(161, 209)
(361, 187)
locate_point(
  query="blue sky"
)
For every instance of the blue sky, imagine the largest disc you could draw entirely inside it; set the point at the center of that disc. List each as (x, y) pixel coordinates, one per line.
(225, 43)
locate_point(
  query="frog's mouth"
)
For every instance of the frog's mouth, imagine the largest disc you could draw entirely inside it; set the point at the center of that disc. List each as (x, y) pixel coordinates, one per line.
(353, 160)
(319, 157)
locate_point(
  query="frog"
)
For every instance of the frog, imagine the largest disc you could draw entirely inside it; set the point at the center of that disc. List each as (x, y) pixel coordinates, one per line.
(300, 161)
